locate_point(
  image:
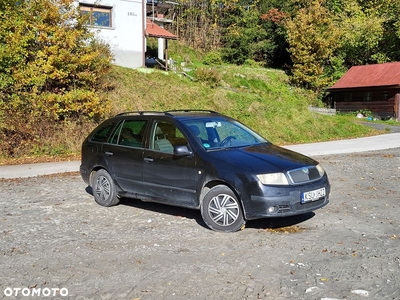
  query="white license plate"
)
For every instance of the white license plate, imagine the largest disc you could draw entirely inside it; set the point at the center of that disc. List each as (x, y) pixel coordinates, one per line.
(313, 195)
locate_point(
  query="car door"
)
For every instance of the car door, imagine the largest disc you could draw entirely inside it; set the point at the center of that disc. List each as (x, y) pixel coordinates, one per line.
(166, 177)
(124, 155)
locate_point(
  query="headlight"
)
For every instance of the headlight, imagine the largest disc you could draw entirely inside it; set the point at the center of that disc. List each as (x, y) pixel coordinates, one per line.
(321, 170)
(273, 179)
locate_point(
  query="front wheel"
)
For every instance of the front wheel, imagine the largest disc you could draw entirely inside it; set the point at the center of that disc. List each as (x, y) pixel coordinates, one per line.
(103, 187)
(221, 210)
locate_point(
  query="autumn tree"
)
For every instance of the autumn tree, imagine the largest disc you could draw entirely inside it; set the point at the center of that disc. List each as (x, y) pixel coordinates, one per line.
(50, 63)
(313, 37)
(51, 66)
(274, 24)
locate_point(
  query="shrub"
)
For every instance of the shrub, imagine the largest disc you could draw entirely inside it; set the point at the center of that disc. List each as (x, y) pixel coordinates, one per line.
(213, 58)
(208, 75)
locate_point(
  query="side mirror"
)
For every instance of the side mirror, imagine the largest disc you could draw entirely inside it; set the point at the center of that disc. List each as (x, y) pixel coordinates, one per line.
(182, 151)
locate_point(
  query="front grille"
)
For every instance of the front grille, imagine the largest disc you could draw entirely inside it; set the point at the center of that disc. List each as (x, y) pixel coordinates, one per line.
(304, 175)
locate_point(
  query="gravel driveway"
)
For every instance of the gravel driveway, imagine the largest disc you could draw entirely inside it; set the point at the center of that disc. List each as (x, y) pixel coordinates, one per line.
(56, 240)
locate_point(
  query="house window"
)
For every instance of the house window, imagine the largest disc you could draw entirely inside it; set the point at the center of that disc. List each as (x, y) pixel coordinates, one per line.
(385, 95)
(367, 96)
(99, 16)
(348, 96)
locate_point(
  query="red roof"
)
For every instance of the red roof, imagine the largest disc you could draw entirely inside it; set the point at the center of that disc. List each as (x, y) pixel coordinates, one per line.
(387, 74)
(154, 30)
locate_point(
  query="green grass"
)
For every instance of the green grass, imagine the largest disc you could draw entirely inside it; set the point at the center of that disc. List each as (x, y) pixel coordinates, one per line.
(261, 98)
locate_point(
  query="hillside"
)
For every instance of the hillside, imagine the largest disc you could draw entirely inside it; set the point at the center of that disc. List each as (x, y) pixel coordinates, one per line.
(261, 98)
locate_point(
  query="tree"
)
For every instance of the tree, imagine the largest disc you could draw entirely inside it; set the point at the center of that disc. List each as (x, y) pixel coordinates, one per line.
(197, 23)
(274, 21)
(363, 32)
(388, 12)
(51, 65)
(313, 38)
(244, 37)
(51, 70)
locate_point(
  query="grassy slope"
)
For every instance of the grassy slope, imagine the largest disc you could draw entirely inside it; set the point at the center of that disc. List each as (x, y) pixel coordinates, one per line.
(261, 98)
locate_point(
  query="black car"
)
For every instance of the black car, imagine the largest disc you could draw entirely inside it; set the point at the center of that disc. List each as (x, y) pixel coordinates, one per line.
(201, 160)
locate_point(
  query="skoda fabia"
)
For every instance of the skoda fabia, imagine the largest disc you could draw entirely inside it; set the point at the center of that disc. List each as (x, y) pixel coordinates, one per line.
(201, 160)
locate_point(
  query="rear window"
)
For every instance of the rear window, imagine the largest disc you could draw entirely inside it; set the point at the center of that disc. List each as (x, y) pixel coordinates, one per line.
(102, 133)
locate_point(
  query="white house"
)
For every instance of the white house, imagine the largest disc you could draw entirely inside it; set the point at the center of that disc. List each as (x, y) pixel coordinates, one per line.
(122, 24)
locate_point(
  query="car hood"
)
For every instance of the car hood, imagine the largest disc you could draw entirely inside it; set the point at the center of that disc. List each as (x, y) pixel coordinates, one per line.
(263, 158)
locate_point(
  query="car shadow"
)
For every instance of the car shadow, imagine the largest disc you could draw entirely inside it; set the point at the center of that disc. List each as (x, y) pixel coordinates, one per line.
(266, 223)
(160, 208)
(281, 222)
(89, 190)
(164, 209)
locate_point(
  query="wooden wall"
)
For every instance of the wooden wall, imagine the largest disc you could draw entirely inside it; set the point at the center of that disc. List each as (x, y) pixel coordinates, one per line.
(377, 103)
(381, 108)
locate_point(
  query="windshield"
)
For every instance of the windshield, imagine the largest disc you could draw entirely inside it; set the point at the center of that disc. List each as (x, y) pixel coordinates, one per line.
(220, 133)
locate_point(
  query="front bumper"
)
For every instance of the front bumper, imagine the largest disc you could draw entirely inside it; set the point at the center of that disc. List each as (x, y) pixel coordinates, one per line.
(285, 200)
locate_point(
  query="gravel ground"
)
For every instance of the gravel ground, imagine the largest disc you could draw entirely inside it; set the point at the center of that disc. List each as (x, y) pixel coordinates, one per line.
(56, 240)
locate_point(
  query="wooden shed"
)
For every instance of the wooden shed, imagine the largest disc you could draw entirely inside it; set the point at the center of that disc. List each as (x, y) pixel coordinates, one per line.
(374, 88)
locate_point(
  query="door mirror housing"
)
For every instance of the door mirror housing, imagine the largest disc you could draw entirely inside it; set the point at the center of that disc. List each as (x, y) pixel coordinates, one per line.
(182, 151)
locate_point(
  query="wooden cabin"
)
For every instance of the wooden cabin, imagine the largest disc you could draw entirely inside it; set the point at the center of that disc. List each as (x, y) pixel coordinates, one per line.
(374, 88)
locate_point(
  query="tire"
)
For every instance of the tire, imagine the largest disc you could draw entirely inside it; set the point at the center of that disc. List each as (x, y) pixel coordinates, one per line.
(104, 190)
(221, 210)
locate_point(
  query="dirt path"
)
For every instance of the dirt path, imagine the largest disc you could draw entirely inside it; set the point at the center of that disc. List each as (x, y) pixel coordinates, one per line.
(55, 238)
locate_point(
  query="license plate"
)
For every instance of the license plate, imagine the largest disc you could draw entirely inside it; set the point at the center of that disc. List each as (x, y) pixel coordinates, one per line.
(313, 195)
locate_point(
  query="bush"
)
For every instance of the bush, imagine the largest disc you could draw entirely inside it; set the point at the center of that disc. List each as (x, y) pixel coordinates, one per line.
(208, 75)
(252, 63)
(213, 58)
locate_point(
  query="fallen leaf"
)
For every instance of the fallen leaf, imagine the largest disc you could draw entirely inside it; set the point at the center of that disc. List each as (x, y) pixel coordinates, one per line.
(323, 279)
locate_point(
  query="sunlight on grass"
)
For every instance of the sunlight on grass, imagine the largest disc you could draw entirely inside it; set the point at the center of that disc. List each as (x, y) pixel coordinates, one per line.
(260, 98)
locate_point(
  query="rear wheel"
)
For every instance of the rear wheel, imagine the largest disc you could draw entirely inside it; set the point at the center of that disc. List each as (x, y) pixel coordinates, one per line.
(221, 210)
(103, 187)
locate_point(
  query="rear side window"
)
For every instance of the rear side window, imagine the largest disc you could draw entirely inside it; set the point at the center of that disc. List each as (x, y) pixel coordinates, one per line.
(130, 133)
(102, 133)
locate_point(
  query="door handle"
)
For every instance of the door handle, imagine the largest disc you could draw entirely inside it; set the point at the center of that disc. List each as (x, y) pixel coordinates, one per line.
(108, 153)
(148, 159)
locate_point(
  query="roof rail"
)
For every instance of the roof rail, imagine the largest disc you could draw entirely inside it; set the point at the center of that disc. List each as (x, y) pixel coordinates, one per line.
(170, 112)
(140, 113)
